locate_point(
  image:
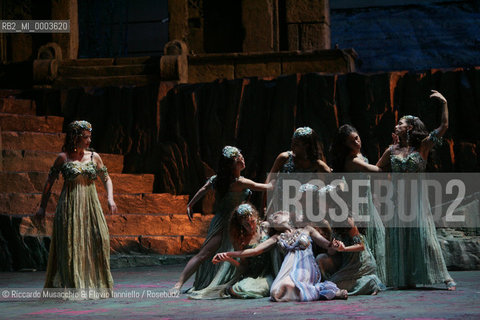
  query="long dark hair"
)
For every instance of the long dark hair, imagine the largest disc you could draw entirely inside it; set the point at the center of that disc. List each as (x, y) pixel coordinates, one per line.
(339, 149)
(239, 235)
(225, 174)
(312, 145)
(75, 130)
(417, 133)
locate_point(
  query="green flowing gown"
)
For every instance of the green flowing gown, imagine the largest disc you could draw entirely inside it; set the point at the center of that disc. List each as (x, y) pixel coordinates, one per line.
(413, 253)
(209, 274)
(79, 256)
(374, 232)
(358, 271)
(252, 280)
(256, 280)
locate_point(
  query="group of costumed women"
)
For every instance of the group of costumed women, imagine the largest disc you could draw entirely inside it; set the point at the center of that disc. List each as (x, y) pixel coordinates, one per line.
(243, 257)
(239, 256)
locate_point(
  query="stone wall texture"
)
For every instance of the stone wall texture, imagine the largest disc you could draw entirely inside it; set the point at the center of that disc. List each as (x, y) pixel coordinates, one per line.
(177, 132)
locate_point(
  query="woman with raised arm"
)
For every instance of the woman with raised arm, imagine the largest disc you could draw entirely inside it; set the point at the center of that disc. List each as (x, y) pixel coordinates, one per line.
(231, 189)
(299, 278)
(413, 254)
(346, 152)
(79, 256)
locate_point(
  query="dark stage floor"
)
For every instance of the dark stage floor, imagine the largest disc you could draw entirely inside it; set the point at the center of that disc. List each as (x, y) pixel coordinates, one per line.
(421, 303)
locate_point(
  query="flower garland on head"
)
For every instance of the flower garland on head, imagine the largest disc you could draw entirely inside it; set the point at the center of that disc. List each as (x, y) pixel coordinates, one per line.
(244, 210)
(230, 152)
(410, 117)
(308, 187)
(419, 132)
(75, 131)
(243, 225)
(327, 189)
(80, 125)
(314, 188)
(302, 132)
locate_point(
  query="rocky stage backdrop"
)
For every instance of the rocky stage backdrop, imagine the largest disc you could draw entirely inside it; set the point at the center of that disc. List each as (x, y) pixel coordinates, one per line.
(177, 132)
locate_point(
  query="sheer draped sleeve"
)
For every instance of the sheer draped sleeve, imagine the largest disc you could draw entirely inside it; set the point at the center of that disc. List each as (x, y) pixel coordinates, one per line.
(433, 136)
(103, 173)
(54, 172)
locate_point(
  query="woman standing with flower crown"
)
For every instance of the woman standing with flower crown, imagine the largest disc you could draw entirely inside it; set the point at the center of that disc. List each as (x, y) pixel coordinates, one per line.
(79, 255)
(231, 189)
(413, 254)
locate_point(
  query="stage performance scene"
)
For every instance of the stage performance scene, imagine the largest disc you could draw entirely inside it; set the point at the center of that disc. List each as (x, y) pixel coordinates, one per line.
(268, 159)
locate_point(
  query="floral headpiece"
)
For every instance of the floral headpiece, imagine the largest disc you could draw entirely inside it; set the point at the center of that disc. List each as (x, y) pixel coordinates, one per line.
(308, 187)
(230, 152)
(80, 125)
(302, 132)
(244, 210)
(409, 117)
(326, 189)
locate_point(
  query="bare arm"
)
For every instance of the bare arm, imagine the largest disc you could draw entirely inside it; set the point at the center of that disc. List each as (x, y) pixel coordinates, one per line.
(428, 143)
(107, 182)
(52, 177)
(232, 261)
(339, 246)
(384, 161)
(255, 186)
(323, 167)
(277, 166)
(444, 122)
(358, 165)
(200, 193)
(261, 248)
(272, 175)
(317, 237)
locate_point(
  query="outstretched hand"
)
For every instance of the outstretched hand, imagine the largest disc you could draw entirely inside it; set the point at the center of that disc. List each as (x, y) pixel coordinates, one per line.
(112, 207)
(220, 257)
(438, 96)
(38, 219)
(338, 245)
